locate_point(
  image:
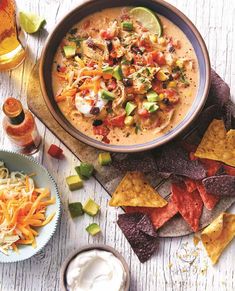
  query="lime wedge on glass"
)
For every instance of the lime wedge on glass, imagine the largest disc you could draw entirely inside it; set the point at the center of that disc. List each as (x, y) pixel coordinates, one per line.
(148, 19)
(30, 22)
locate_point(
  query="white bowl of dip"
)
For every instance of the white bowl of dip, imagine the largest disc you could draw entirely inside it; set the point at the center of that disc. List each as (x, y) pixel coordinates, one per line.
(95, 268)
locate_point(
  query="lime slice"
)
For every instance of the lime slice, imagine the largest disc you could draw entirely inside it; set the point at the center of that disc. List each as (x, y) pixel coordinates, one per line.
(148, 18)
(30, 22)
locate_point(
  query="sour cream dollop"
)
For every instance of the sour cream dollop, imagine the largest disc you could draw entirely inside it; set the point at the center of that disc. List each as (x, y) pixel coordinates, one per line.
(96, 270)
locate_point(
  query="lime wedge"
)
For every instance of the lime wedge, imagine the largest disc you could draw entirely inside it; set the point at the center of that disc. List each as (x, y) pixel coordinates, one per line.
(148, 18)
(30, 22)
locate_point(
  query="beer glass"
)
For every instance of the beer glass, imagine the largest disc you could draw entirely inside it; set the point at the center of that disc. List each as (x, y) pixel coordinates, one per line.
(12, 50)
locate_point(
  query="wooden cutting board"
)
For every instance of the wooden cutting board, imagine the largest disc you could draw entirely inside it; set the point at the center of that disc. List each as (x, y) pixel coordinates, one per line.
(110, 176)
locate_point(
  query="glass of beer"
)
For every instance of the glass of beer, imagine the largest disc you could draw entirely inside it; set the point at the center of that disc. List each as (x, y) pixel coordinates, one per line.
(12, 50)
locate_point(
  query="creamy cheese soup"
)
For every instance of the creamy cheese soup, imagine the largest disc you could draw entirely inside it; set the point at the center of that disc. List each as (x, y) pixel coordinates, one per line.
(118, 81)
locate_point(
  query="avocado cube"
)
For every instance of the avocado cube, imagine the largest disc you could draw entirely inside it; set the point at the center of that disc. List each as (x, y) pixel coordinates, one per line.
(106, 95)
(74, 182)
(85, 170)
(69, 51)
(91, 207)
(130, 107)
(93, 229)
(75, 209)
(104, 159)
(117, 73)
(152, 96)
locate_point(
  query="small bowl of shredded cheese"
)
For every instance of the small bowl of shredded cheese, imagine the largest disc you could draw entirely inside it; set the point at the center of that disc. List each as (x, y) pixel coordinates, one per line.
(29, 207)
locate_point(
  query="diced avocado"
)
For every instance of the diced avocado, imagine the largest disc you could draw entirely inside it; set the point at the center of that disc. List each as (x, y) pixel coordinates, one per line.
(151, 106)
(93, 229)
(69, 51)
(130, 107)
(85, 170)
(128, 26)
(91, 207)
(106, 95)
(129, 120)
(76, 209)
(74, 182)
(108, 70)
(152, 96)
(117, 73)
(104, 159)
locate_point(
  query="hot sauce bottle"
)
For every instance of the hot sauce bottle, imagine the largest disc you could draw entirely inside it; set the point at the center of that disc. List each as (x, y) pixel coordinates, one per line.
(20, 127)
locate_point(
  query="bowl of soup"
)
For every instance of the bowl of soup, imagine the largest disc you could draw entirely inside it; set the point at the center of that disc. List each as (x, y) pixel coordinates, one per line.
(126, 76)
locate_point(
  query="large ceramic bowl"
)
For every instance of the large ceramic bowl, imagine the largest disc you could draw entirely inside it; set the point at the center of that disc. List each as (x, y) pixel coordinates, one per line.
(89, 7)
(19, 162)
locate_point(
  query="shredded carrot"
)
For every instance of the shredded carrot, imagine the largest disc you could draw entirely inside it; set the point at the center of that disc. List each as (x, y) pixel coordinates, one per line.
(60, 98)
(86, 86)
(92, 73)
(107, 76)
(96, 86)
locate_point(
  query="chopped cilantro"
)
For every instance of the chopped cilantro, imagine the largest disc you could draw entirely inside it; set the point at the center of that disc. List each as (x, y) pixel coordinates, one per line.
(73, 30)
(137, 128)
(77, 40)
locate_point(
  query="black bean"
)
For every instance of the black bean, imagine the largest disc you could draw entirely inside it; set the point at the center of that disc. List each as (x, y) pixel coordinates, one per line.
(171, 78)
(164, 85)
(91, 43)
(109, 45)
(95, 111)
(136, 50)
(127, 82)
(58, 68)
(97, 122)
(171, 49)
(166, 101)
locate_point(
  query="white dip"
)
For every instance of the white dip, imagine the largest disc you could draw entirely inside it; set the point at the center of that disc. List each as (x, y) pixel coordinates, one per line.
(96, 270)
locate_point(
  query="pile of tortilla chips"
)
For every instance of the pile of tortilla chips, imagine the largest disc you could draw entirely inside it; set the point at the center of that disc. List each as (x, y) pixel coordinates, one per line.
(201, 176)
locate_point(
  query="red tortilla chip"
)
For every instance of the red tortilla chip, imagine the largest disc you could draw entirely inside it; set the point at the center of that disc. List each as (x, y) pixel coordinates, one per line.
(191, 185)
(210, 166)
(158, 216)
(209, 200)
(229, 170)
(190, 205)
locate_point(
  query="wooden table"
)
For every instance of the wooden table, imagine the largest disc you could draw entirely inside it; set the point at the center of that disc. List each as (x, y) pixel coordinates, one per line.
(165, 271)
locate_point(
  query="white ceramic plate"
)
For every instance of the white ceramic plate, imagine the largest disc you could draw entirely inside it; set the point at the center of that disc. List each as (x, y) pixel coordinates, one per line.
(19, 162)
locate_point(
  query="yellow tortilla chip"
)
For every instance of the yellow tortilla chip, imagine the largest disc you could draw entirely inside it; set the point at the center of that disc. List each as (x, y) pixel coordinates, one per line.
(217, 144)
(134, 190)
(218, 235)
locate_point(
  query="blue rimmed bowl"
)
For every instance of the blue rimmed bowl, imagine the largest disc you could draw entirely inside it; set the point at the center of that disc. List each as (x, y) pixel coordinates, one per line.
(160, 7)
(19, 162)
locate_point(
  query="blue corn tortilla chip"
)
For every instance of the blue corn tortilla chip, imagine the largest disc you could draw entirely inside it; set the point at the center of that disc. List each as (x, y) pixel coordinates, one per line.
(145, 225)
(175, 160)
(142, 244)
(223, 185)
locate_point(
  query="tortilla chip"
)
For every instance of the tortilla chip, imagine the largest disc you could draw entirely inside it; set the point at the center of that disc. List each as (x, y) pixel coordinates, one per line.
(217, 144)
(145, 225)
(158, 216)
(216, 236)
(134, 190)
(229, 170)
(209, 200)
(189, 205)
(223, 185)
(211, 166)
(174, 159)
(142, 244)
(190, 184)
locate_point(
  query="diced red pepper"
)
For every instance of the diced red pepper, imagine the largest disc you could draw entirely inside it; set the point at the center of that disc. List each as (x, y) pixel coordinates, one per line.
(158, 57)
(106, 34)
(105, 140)
(117, 121)
(111, 85)
(143, 113)
(101, 130)
(55, 152)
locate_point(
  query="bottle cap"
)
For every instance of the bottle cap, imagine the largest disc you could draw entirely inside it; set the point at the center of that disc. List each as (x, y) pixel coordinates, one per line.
(14, 110)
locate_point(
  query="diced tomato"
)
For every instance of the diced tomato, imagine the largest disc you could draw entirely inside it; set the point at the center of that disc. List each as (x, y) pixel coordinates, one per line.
(105, 139)
(101, 130)
(143, 113)
(55, 152)
(158, 57)
(106, 34)
(111, 85)
(157, 86)
(91, 63)
(171, 95)
(62, 69)
(149, 60)
(117, 121)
